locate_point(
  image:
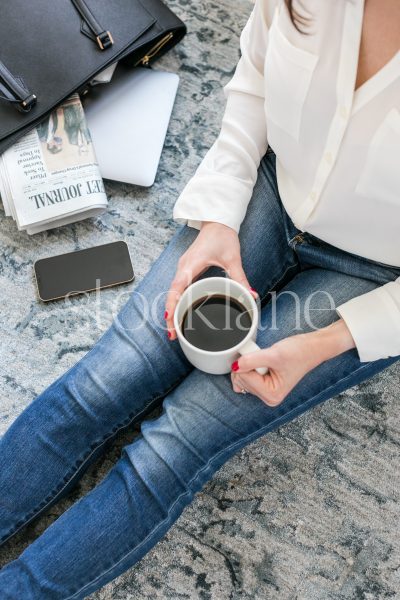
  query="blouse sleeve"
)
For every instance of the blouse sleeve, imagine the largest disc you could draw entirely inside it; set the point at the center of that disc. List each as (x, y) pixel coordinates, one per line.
(222, 185)
(374, 321)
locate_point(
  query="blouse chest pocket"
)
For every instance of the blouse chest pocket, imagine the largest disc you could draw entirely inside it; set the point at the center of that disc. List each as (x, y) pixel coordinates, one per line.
(287, 71)
(380, 176)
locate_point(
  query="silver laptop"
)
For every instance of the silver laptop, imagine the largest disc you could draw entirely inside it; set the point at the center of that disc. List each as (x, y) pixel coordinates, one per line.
(128, 120)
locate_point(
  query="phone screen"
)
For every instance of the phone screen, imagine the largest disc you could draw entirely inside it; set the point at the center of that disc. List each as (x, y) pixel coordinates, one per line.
(83, 271)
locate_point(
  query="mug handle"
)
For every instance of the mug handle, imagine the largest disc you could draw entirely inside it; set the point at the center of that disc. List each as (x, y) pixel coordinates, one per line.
(249, 347)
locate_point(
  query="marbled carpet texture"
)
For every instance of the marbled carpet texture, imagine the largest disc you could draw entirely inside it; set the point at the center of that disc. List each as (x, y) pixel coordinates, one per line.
(308, 512)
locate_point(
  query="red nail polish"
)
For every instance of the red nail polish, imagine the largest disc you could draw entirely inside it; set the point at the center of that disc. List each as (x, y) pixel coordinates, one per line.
(253, 290)
(235, 366)
(169, 334)
(166, 315)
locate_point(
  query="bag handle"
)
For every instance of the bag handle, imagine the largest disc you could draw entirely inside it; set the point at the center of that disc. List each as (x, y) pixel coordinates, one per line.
(100, 35)
(12, 88)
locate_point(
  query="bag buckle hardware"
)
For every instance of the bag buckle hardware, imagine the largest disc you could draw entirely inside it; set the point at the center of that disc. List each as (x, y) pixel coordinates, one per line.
(105, 40)
(27, 104)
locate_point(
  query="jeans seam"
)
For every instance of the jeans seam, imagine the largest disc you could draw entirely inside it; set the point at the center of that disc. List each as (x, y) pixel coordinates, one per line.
(238, 443)
(280, 278)
(39, 510)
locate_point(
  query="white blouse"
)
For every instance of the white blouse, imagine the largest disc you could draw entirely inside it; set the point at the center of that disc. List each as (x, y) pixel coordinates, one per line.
(338, 150)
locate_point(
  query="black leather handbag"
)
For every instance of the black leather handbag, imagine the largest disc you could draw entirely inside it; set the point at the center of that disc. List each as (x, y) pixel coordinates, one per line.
(52, 48)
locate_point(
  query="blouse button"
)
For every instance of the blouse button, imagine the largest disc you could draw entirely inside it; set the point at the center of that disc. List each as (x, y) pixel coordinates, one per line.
(343, 112)
(328, 157)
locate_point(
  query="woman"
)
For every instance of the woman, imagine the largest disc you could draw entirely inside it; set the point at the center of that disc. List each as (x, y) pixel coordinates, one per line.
(75, 125)
(47, 133)
(318, 220)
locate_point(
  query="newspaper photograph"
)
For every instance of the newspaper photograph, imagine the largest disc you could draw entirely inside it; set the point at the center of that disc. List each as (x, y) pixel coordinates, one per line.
(51, 176)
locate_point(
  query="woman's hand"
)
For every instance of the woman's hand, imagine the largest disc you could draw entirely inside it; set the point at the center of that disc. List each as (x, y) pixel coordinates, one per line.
(288, 361)
(216, 245)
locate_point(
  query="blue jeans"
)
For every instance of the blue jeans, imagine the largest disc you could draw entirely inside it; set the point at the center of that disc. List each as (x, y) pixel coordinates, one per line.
(131, 369)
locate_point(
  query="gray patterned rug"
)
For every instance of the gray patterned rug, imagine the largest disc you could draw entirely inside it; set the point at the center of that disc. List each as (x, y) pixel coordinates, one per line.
(310, 511)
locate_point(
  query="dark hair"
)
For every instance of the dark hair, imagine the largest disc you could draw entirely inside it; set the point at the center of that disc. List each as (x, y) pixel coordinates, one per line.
(297, 19)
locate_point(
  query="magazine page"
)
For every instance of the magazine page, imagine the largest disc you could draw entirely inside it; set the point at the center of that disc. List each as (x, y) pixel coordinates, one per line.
(52, 174)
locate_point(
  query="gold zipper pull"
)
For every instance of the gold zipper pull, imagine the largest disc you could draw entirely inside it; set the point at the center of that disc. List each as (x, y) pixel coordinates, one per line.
(155, 50)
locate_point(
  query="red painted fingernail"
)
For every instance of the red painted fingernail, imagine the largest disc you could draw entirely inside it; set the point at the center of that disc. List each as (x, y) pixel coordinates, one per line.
(166, 315)
(169, 334)
(235, 366)
(253, 290)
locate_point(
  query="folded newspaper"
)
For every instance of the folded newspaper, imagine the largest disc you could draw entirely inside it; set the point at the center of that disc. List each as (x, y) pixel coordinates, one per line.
(51, 177)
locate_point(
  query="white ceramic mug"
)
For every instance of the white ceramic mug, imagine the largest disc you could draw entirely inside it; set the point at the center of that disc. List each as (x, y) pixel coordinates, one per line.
(217, 363)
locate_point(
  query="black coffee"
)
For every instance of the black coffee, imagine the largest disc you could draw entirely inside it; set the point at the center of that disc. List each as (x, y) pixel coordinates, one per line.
(216, 323)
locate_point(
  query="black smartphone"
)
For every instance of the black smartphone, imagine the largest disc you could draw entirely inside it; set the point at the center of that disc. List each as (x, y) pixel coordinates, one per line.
(83, 271)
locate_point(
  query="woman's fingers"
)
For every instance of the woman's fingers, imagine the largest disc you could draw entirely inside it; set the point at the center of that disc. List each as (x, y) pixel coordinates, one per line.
(258, 385)
(188, 270)
(179, 284)
(253, 360)
(235, 384)
(251, 383)
(184, 276)
(236, 272)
